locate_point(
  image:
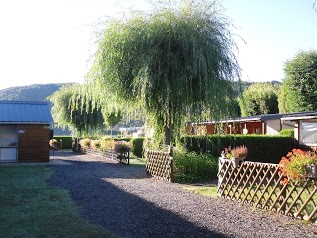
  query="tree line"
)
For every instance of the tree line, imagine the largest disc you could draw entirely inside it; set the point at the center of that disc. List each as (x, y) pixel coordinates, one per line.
(297, 93)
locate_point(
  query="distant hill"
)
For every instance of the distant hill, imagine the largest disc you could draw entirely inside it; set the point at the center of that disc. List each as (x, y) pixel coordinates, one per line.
(34, 92)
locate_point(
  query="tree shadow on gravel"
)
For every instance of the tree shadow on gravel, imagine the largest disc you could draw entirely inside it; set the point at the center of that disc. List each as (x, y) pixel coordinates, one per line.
(120, 212)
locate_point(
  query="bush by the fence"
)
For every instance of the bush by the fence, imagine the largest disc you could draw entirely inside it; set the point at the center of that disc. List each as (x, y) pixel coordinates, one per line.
(66, 141)
(192, 167)
(137, 146)
(268, 149)
(287, 132)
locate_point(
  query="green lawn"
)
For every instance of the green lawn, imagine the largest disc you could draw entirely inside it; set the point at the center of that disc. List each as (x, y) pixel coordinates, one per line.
(32, 208)
(203, 190)
(136, 161)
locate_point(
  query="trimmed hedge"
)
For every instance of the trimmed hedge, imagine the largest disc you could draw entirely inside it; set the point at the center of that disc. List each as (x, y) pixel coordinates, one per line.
(137, 146)
(266, 149)
(192, 167)
(66, 141)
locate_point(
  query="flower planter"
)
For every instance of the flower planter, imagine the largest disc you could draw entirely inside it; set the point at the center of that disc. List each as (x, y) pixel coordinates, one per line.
(237, 161)
(311, 170)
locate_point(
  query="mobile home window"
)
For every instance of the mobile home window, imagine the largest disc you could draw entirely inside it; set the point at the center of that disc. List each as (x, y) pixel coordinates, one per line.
(8, 136)
(308, 133)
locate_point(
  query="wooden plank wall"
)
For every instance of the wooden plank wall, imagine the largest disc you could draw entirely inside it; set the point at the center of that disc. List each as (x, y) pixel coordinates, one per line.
(33, 143)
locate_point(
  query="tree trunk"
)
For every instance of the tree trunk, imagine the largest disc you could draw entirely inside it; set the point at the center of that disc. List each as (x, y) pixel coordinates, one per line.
(167, 135)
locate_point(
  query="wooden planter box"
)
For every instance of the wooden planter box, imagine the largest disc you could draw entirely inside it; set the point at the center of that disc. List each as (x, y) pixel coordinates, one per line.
(311, 170)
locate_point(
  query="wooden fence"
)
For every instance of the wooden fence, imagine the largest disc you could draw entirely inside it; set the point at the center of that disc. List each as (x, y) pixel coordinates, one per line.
(160, 164)
(108, 154)
(260, 185)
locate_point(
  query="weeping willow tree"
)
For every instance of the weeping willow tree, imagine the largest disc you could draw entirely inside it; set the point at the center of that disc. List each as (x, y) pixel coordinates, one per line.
(175, 62)
(78, 117)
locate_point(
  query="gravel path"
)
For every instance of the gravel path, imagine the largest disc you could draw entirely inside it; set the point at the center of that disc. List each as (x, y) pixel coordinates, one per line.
(127, 203)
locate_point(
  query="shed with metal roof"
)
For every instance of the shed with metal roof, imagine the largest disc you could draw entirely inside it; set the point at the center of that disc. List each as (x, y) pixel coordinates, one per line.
(24, 131)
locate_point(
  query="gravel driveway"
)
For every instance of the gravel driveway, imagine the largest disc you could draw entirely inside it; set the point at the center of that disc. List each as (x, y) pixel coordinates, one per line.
(127, 203)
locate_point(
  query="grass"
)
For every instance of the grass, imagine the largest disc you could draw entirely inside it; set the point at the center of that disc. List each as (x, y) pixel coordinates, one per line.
(203, 190)
(136, 161)
(30, 207)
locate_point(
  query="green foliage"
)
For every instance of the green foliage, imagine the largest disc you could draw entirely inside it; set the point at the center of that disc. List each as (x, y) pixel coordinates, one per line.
(78, 115)
(299, 90)
(113, 118)
(259, 98)
(287, 133)
(261, 148)
(66, 141)
(173, 62)
(192, 167)
(137, 146)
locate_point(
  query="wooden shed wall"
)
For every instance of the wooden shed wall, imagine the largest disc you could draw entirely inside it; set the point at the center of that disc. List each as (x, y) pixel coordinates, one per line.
(33, 143)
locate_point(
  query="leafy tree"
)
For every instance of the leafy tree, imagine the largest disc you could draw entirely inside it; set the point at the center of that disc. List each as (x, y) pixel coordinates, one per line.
(78, 120)
(113, 118)
(173, 62)
(299, 90)
(257, 99)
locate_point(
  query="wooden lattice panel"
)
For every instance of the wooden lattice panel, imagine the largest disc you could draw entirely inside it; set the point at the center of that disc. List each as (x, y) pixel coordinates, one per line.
(159, 164)
(261, 185)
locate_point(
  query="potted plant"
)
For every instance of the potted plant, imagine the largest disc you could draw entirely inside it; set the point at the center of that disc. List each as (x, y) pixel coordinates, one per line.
(297, 165)
(236, 154)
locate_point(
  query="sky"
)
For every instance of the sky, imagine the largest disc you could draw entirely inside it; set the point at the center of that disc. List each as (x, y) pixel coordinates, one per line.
(51, 41)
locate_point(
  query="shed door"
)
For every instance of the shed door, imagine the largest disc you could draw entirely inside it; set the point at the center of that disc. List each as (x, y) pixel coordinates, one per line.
(8, 142)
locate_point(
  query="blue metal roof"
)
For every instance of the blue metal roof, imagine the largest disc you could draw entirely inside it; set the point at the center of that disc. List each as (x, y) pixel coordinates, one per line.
(14, 112)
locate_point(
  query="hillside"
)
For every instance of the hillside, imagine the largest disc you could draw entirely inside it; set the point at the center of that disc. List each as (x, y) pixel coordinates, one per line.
(34, 92)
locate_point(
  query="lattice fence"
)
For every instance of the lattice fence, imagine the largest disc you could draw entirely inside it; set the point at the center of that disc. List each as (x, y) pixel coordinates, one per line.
(160, 164)
(261, 185)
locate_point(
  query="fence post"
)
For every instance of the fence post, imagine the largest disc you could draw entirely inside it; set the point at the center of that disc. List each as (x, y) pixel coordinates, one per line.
(220, 178)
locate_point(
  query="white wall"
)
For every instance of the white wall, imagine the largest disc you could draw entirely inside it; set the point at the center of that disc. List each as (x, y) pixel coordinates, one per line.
(273, 127)
(288, 124)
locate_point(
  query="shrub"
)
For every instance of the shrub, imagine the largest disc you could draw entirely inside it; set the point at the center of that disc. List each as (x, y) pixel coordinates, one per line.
(261, 148)
(95, 144)
(192, 167)
(137, 146)
(236, 152)
(293, 165)
(287, 132)
(107, 144)
(122, 146)
(85, 143)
